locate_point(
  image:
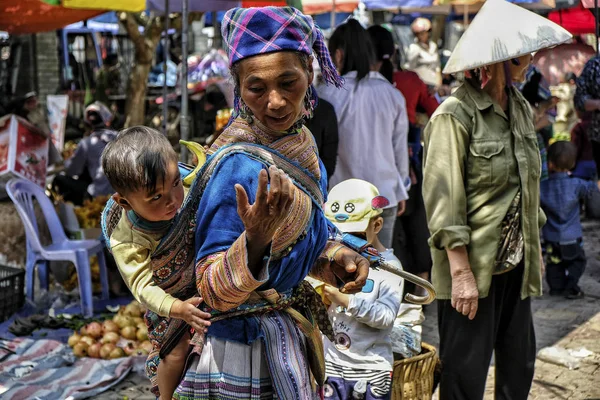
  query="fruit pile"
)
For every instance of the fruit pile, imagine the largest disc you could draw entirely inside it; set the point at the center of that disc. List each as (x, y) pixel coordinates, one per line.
(73, 280)
(124, 335)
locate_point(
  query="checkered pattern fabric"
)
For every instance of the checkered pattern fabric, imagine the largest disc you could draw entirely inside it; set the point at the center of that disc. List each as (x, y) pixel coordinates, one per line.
(252, 31)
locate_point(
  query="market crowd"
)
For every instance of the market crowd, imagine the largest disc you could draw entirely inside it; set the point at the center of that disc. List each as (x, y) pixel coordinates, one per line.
(453, 172)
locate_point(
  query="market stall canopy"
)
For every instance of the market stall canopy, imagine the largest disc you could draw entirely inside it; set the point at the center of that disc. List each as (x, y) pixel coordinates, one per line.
(476, 4)
(589, 3)
(554, 63)
(407, 6)
(577, 20)
(32, 16)
(119, 5)
(447, 6)
(209, 5)
(312, 7)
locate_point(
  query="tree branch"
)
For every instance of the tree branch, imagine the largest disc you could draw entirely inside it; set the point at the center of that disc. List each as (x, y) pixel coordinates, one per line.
(131, 26)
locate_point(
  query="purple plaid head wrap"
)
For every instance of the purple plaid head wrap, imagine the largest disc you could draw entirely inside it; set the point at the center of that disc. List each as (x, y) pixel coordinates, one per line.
(260, 30)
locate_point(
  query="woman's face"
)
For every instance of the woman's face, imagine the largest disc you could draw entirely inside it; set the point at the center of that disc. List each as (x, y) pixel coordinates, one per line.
(518, 71)
(273, 86)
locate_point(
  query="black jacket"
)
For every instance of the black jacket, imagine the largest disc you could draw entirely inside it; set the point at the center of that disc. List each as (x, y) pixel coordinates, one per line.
(324, 127)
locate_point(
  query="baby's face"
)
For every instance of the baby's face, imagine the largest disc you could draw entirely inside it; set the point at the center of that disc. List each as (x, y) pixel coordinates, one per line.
(164, 202)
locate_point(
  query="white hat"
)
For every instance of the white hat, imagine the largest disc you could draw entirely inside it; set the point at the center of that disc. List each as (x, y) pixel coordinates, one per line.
(500, 32)
(420, 25)
(352, 203)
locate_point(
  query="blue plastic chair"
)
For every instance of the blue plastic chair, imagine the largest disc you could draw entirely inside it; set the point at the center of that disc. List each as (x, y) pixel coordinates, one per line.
(23, 193)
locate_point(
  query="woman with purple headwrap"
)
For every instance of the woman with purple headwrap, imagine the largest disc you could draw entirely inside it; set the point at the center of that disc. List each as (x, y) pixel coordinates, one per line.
(253, 226)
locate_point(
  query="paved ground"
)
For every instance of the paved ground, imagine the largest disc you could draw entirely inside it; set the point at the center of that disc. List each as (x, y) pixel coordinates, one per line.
(569, 324)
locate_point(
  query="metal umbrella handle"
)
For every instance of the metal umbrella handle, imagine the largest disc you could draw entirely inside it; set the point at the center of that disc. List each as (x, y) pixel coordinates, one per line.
(363, 248)
(411, 298)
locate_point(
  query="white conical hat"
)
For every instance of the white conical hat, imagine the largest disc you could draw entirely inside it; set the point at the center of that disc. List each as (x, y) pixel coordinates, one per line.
(501, 31)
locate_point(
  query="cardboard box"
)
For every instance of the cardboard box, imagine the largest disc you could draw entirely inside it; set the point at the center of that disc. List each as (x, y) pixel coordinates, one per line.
(23, 152)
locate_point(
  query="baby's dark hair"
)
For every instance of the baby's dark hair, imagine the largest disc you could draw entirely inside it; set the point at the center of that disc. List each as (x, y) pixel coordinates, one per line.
(563, 155)
(137, 159)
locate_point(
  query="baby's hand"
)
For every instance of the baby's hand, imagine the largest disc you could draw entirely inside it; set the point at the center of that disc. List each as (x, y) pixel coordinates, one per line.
(334, 295)
(189, 312)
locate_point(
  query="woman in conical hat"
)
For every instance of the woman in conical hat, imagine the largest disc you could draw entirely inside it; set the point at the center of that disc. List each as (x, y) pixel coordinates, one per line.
(481, 192)
(258, 227)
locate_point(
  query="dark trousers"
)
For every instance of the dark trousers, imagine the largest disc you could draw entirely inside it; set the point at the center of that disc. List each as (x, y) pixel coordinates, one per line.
(411, 234)
(565, 267)
(503, 325)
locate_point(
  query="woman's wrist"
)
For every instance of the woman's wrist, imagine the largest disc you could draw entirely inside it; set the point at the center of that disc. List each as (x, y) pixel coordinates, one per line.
(458, 259)
(256, 247)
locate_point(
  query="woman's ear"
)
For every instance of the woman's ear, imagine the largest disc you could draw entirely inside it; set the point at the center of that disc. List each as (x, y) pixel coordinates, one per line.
(311, 70)
(122, 201)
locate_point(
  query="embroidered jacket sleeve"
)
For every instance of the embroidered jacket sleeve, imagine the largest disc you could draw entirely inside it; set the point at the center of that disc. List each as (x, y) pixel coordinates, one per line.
(223, 277)
(132, 256)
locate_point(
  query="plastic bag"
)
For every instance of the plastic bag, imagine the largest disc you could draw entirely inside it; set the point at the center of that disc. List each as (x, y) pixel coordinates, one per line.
(406, 333)
(559, 356)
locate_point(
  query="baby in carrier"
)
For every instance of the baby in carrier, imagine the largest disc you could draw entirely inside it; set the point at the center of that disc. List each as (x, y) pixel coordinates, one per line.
(141, 166)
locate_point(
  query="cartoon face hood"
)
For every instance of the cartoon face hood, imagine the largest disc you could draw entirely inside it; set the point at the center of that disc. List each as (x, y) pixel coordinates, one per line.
(352, 204)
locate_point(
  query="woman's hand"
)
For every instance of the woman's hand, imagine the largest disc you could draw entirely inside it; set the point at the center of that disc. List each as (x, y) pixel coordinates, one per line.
(465, 296)
(351, 268)
(263, 218)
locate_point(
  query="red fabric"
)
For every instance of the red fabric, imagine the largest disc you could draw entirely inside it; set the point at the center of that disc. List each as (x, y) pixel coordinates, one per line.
(32, 16)
(416, 93)
(577, 20)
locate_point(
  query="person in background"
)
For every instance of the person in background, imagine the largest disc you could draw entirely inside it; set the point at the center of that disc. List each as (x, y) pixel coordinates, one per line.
(372, 123)
(560, 197)
(535, 90)
(360, 361)
(30, 109)
(585, 166)
(84, 177)
(324, 127)
(481, 190)
(108, 79)
(587, 100)
(423, 57)
(566, 116)
(410, 233)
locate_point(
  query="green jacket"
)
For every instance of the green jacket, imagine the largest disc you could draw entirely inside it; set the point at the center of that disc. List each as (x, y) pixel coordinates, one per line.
(475, 159)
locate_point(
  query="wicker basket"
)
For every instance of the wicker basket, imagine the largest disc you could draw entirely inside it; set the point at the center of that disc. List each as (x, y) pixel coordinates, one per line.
(413, 377)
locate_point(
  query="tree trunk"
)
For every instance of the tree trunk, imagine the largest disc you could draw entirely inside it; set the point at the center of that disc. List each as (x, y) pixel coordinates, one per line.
(145, 46)
(135, 106)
